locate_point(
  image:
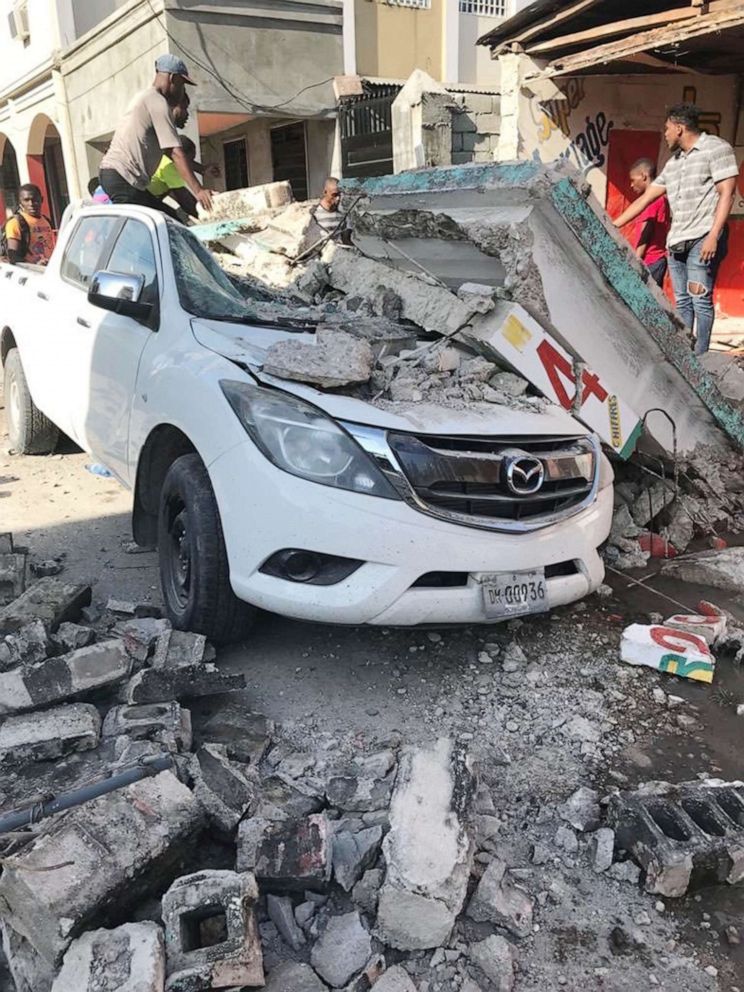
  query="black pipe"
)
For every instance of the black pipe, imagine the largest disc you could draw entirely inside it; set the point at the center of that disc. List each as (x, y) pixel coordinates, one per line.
(135, 773)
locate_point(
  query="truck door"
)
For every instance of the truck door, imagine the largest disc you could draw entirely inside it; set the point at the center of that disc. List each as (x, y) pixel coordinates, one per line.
(52, 355)
(109, 347)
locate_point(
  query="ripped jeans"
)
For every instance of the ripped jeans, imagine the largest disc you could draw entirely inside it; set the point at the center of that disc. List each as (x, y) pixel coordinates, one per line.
(693, 281)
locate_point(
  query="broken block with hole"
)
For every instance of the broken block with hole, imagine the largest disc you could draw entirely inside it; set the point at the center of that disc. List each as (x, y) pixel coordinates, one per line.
(152, 685)
(211, 936)
(107, 854)
(130, 958)
(99, 666)
(49, 734)
(683, 836)
(49, 600)
(168, 723)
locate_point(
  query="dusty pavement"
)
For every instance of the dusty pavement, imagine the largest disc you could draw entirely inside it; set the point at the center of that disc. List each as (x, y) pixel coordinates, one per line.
(545, 705)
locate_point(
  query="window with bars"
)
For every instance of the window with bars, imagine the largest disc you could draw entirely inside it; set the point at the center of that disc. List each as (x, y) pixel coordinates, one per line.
(486, 8)
(421, 4)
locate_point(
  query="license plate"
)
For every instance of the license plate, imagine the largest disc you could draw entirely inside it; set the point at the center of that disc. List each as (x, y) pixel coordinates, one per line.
(513, 594)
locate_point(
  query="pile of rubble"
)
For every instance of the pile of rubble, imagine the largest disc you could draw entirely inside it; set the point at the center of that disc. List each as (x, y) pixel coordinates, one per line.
(247, 853)
(397, 338)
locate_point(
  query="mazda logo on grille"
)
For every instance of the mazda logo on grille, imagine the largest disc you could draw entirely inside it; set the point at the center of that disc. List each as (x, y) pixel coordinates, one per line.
(525, 474)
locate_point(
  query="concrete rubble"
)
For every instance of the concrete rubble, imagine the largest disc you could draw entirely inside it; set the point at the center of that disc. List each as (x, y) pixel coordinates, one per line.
(130, 958)
(453, 262)
(13, 568)
(48, 734)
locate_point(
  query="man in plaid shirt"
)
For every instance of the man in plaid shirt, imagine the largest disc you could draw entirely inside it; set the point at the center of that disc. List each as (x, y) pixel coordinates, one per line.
(699, 181)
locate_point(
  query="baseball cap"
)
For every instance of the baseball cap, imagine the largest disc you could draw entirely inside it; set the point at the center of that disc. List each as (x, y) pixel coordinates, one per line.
(173, 65)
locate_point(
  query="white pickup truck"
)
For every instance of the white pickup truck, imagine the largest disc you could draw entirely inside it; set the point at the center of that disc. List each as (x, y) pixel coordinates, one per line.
(264, 493)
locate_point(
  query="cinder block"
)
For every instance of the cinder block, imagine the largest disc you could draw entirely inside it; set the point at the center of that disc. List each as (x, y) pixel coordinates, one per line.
(463, 123)
(483, 156)
(167, 723)
(683, 837)
(488, 123)
(177, 648)
(70, 675)
(28, 645)
(287, 855)
(109, 853)
(49, 734)
(223, 787)
(153, 685)
(130, 958)
(12, 570)
(211, 937)
(479, 103)
(49, 600)
(485, 142)
(462, 158)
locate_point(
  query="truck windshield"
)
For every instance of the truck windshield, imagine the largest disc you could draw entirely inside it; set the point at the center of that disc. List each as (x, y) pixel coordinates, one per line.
(204, 290)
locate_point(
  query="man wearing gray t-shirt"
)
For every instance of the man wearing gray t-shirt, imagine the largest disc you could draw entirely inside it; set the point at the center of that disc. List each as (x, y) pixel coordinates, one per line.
(699, 181)
(146, 133)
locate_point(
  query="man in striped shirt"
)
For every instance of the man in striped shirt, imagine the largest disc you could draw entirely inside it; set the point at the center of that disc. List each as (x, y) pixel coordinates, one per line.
(699, 181)
(327, 215)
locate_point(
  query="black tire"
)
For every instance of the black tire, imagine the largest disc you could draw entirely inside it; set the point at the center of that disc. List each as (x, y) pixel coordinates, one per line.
(194, 574)
(29, 431)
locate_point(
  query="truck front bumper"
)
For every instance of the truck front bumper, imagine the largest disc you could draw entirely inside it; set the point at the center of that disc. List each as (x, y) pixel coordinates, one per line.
(265, 510)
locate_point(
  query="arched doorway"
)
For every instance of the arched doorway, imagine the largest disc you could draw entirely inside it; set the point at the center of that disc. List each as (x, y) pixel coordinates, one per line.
(9, 179)
(46, 166)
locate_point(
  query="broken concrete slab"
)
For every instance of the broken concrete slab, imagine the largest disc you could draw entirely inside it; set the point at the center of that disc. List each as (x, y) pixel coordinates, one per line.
(178, 649)
(140, 635)
(581, 809)
(49, 600)
(727, 373)
(342, 950)
(426, 882)
(667, 650)
(225, 789)
(495, 958)
(682, 836)
(289, 976)
(153, 685)
(652, 501)
(352, 853)
(49, 734)
(287, 855)
(246, 735)
(109, 852)
(168, 723)
(497, 900)
(395, 979)
(29, 644)
(722, 569)
(71, 636)
(603, 848)
(29, 971)
(282, 916)
(366, 784)
(235, 204)
(99, 666)
(12, 570)
(211, 936)
(334, 359)
(130, 958)
(367, 890)
(529, 229)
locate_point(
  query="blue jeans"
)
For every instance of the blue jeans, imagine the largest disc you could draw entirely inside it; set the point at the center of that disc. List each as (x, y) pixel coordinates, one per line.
(689, 273)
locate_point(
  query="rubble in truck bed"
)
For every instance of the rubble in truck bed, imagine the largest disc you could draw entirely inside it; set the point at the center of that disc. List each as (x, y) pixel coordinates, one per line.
(401, 331)
(260, 856)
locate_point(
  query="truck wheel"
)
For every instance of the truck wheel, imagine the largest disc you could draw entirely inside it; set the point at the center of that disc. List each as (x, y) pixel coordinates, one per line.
(29, 431)
(193, 561)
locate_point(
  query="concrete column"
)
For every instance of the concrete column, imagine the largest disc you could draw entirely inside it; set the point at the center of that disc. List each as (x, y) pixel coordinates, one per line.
(349, 38)
(451, 41)
(508, 146)
(76, 184)
(422, 124)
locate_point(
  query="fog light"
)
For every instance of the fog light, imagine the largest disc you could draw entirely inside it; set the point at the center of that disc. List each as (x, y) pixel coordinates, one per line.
(311, 567)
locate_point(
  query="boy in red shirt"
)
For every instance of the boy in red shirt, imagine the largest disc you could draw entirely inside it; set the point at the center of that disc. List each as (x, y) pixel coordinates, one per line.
(652, 226)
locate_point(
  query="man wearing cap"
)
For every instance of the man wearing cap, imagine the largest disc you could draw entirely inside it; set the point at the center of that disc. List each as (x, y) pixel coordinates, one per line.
(146, 133)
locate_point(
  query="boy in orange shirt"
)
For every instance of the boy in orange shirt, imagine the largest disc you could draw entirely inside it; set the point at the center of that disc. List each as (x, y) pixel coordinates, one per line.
(28, 234)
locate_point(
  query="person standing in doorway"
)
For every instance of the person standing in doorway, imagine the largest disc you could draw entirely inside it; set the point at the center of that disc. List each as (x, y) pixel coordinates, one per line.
(146, 133)
(652, 227)
(700, 182)
(28, 233)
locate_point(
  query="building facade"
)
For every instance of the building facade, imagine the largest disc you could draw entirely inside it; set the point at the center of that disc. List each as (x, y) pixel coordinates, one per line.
(264, 107)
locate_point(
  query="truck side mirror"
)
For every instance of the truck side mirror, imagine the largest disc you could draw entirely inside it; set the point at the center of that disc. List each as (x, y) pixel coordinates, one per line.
(120, 293)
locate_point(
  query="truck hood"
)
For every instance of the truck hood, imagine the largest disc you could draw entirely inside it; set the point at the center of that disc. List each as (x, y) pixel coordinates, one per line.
(247, 345)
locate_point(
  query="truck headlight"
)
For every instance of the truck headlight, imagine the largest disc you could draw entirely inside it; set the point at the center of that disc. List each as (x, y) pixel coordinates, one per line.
(301, 440)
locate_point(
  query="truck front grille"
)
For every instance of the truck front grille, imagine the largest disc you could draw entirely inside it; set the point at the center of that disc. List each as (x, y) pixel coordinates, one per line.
(492, 481)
